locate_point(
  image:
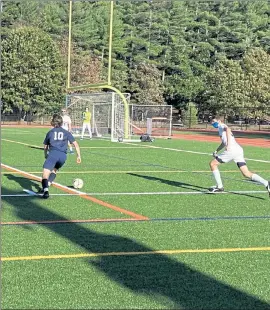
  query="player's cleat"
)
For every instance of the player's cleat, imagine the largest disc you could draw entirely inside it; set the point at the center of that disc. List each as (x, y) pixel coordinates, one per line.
(268, 188)
(215, 189)
(71, 152)
(40, 191)
(46, 195)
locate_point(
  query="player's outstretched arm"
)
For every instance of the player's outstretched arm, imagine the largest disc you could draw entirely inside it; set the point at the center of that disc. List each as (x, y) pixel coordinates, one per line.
(220, 147)
(77, 148)
(46, 149)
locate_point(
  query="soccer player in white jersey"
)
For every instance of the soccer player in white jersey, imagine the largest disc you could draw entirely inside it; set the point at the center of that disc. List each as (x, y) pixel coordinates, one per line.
(233, 151)
(67, 125)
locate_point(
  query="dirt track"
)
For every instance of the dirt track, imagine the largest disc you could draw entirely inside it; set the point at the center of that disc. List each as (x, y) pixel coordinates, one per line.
(242, 141)
(254, 141)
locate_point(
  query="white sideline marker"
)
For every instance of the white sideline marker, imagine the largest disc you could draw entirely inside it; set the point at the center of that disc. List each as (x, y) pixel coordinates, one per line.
(31, 193)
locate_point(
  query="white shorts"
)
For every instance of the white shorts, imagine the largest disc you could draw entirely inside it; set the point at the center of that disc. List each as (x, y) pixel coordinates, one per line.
(236, 155)
(65, 127)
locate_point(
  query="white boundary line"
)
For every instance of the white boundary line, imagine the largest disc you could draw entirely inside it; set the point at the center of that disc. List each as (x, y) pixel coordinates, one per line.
(193, 152)
(31, 194)
(151, 146)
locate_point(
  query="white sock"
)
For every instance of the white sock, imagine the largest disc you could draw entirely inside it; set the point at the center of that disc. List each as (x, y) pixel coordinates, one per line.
(217, 177)
(70, 148)
(257, 178)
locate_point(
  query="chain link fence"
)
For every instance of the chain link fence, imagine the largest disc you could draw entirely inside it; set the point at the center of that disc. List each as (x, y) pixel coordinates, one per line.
(28, 119)
(248, 119)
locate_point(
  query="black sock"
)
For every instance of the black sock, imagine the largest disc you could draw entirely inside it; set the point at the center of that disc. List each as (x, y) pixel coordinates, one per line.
(45, 185)
(52, 177)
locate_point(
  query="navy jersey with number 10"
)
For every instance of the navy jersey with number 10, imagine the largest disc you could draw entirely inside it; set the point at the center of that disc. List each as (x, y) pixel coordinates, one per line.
(57, 139)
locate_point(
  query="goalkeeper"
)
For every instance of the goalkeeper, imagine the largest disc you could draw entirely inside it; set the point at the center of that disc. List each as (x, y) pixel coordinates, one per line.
(86, 123)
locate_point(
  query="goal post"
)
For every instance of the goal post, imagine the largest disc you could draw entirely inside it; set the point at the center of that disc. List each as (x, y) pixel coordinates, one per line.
(112, 119)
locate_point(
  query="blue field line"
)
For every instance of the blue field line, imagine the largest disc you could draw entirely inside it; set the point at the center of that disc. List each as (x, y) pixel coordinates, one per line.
(215, 218)
(177, 219)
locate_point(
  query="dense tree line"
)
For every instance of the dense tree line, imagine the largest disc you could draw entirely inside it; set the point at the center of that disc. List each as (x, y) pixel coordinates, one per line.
(214, 54)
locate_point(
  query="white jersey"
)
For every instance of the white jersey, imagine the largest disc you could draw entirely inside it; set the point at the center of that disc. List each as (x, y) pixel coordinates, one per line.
(66, 122)
(222, 128)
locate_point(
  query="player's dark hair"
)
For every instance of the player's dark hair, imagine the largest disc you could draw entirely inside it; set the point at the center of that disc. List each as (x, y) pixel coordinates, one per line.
(217, 117)
(57, 120)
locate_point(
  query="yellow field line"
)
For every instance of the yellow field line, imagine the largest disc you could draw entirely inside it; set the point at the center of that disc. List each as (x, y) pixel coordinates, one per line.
(166, 252)
(32, 145)
(82, 147)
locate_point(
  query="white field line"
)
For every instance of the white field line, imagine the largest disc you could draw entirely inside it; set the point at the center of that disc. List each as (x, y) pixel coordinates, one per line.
(34, 177)
(20, 133)
(30, 193)
(193, 152)
(15, 131)
(152, 146)
(112, 147)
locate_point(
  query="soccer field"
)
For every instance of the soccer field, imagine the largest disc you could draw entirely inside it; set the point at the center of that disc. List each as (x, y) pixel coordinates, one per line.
(143, 233)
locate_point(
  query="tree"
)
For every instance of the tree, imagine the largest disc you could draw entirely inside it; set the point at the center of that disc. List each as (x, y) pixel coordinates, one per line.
(190, 117)
(146, 86)
(234, 85)
(256, 65)
(32, 72)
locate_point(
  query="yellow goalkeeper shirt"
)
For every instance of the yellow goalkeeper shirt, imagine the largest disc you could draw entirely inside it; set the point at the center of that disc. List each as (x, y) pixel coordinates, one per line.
(86, 117)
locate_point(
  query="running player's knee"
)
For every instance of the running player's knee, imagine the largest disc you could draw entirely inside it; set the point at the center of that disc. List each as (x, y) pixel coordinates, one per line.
(213, 164)
(244, 170)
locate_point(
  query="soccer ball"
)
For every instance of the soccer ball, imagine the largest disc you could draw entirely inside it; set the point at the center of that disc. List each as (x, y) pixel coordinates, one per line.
(77, 183)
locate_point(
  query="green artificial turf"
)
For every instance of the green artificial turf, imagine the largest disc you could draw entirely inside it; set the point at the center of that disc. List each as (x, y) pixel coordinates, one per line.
(163, 183)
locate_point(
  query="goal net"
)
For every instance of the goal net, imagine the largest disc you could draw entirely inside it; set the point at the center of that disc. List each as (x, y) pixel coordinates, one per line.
(107, 114)
(109, 120)
(154, 120)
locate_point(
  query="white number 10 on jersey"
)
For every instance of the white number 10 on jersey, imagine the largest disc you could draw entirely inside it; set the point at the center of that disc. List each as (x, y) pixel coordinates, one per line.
(58, 135)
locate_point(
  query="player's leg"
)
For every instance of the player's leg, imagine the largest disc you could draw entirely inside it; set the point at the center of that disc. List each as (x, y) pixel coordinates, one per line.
(45, 181)
(223, 158)
(83, 130)
(214, 168)
(253, 176)
(59, 164)
(89, 130)
(49, 165)
(52, 176)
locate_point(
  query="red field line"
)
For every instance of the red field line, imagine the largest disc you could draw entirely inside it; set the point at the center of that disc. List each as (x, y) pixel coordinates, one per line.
(72, 191)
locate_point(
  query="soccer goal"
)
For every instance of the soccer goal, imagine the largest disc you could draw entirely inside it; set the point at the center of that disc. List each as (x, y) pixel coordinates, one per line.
(107, 114)
(109, 118)
(154, 120)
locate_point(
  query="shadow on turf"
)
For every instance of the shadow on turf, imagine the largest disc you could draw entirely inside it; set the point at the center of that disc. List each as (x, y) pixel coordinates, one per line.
(23, 182)
(36, 147)
(169, 182)
(159, 276)
(186, 185)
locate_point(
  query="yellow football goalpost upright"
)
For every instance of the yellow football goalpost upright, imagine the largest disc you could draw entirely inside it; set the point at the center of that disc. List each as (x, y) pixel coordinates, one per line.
(107, 85)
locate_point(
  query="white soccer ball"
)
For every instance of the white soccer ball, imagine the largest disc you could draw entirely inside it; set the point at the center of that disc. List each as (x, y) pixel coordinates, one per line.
(78, 183)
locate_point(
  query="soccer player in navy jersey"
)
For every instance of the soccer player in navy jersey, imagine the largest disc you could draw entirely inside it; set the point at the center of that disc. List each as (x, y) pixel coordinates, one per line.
(233, 151)
(55, 151)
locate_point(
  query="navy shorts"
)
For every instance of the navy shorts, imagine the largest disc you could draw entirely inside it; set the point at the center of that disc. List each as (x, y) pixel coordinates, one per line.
(55, 160)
